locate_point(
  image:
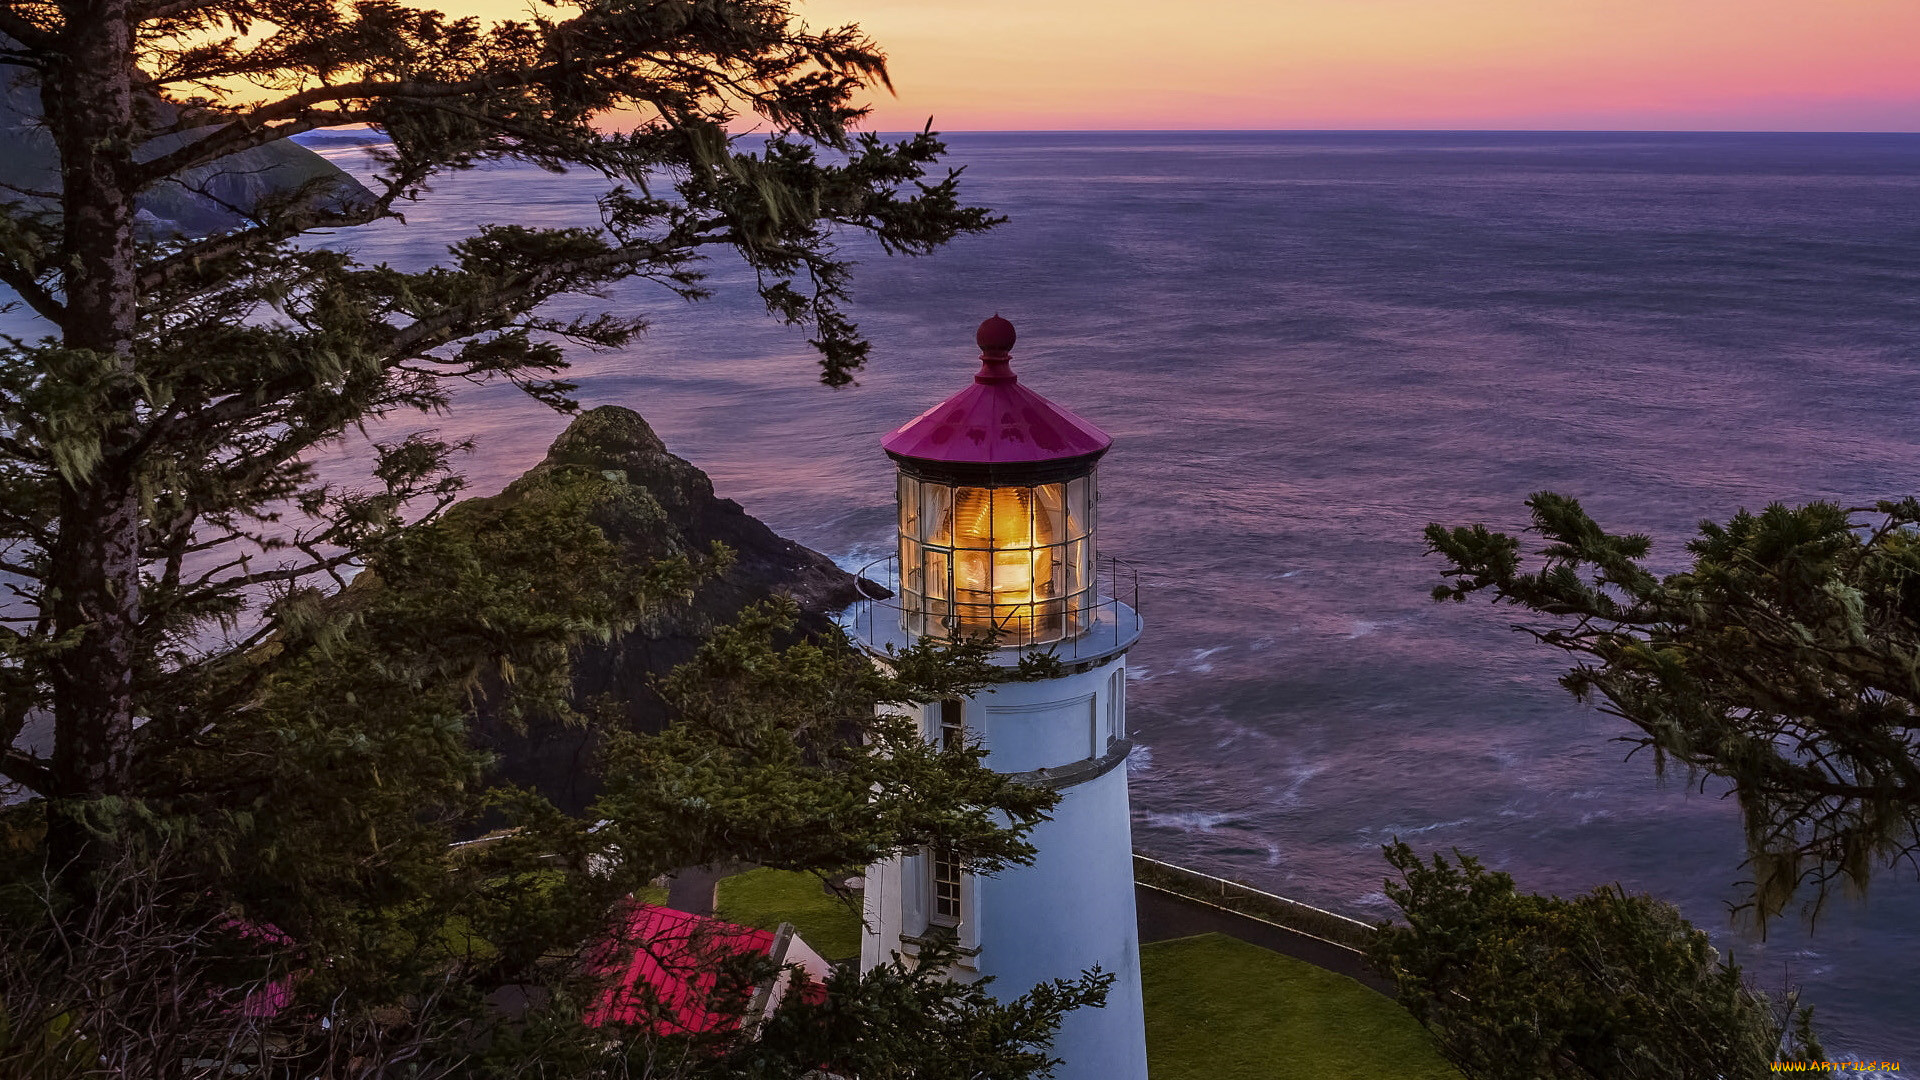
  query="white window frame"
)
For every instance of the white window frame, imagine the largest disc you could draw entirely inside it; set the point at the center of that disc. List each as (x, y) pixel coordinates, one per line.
(950, 722)
(936, 917)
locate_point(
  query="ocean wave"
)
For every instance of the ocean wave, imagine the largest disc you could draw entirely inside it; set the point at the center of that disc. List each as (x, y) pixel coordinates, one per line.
(1375, 901)
(1416, 830)
(1190, 821)
(1199, 661)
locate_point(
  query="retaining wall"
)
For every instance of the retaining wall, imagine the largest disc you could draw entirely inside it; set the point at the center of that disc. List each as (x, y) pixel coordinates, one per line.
(1172, 902)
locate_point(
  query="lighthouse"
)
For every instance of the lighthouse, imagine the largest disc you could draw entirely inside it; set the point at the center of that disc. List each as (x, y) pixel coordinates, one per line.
(998, 508)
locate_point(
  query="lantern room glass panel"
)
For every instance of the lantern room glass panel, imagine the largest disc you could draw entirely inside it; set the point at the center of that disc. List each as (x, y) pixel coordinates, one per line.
(1012, 562)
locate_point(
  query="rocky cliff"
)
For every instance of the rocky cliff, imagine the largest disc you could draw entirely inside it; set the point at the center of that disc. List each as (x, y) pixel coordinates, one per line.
(672, 510)
(209, 199)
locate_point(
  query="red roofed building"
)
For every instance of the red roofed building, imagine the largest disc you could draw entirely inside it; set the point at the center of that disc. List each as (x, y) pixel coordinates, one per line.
(666, 967)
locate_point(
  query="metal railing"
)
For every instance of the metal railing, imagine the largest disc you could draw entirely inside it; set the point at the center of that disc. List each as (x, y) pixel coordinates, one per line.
(1105, 624)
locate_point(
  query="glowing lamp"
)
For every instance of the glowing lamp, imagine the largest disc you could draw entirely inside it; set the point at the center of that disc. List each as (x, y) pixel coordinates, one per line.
(997, 500)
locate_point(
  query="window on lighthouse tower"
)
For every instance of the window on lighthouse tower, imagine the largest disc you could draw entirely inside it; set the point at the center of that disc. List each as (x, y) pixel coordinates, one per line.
(946, 887)
(943, 865)
(953, 724)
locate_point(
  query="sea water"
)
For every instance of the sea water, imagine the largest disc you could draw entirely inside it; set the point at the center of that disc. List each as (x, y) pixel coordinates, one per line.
(1307, 347)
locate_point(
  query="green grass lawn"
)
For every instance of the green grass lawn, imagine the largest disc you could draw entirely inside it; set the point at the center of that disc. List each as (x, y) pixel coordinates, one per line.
(1217, 1008)
(766, 898)
(1221, 1009)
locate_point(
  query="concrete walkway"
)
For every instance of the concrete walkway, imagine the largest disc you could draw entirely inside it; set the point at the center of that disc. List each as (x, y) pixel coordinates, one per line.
(691, 889)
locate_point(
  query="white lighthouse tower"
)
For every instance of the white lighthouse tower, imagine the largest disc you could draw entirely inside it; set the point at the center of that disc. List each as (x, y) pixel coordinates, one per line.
(997, 537)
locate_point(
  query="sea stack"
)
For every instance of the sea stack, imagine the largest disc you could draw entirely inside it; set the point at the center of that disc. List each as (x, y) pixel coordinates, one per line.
(998, 500)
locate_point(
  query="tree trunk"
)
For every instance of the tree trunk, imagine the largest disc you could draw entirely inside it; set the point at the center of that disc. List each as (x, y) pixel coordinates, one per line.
(94, 564)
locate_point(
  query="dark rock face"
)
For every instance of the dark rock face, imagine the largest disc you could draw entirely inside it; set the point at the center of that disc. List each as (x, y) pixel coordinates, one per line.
(672, 510)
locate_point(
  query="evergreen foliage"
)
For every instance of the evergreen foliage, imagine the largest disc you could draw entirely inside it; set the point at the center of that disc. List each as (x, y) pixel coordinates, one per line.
(1606, 986)
(325, 812)
(156, 447)
(237, 854)
(1785, 659)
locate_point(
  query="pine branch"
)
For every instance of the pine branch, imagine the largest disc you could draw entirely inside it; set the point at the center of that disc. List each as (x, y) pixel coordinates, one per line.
(34, 774)
(297, 113)
(13, 448)
(238, 135)
(16, 277)
(317, 564)
(485, 311)
(37, 39)
(171, 9)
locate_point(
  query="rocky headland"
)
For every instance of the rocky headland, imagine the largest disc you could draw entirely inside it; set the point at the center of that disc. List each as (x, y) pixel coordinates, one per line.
(667, 508)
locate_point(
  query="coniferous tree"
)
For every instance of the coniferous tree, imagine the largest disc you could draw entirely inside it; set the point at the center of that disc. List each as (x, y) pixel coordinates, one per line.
(173, 410)
(1603, 986)
(256, 770)
(1785, 660)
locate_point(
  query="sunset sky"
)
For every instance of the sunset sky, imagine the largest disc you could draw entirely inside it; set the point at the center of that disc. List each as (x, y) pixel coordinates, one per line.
(1452, 64)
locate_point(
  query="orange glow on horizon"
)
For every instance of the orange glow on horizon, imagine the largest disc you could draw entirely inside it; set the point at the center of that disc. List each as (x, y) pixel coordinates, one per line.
(1002, 65)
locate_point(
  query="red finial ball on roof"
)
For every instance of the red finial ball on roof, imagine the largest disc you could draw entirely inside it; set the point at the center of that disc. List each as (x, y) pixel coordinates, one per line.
(995, 335)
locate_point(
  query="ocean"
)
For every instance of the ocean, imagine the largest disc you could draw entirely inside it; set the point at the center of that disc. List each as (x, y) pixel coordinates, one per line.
(1307, 346)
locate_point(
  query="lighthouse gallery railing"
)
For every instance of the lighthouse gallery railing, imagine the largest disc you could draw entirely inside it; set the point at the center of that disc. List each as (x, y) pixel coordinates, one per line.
(1107, 625)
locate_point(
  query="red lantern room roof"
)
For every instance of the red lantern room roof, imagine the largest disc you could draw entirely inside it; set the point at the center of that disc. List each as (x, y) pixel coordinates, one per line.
(996, 421)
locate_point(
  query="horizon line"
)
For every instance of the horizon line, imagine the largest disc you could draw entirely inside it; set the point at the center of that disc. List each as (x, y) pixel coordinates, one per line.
(1402, 131)
(1311, 131)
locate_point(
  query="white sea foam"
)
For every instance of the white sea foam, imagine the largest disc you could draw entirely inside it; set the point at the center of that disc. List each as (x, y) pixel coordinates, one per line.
(859, 558)
(1198, 662)
(1374, 901)
(1188, 821)
(1297, 778)
(1140, 760)
(1416, 830)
